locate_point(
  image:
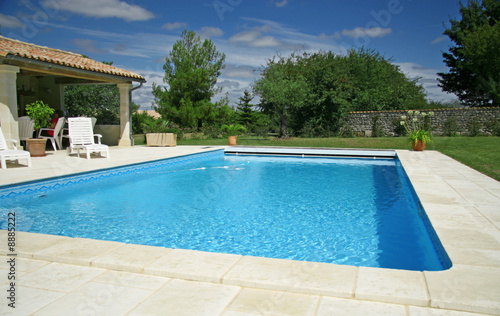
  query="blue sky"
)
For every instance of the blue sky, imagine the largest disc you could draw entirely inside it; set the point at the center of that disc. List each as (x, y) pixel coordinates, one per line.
(137, 35)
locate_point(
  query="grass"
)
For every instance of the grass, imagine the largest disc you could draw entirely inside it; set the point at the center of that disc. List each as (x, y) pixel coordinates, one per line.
(480, 153)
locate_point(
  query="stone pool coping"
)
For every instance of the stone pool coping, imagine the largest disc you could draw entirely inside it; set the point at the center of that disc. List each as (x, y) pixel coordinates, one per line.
(461, 203)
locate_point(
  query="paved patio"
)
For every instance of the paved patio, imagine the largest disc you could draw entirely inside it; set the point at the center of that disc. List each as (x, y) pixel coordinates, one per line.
(61, 276)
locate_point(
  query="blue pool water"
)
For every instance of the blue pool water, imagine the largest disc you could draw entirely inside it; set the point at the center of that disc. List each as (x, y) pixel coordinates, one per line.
(350, 211)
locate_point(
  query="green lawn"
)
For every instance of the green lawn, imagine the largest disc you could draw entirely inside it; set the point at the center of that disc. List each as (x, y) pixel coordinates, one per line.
(480, 153)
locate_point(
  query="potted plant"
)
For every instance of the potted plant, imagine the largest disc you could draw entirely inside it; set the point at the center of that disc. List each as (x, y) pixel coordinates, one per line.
(418, 126)
(233, 131)
(159, 133)
(40, 113)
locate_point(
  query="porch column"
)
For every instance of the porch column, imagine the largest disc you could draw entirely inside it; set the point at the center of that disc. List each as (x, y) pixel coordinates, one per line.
(124, 114)
(8, 101)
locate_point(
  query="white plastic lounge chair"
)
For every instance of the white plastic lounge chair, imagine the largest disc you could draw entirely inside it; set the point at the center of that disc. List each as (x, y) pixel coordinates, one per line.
(55, 139)
(11, 154)
(81, 136)
(64, 132)
(26, 128)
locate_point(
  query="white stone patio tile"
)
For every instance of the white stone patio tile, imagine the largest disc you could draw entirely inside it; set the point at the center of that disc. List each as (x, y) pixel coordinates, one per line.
(274, 303)
(60, 277)
(477, 195)
(143, 281)
(437, 192)
(28, 265)
(473, 257)
(349, 307)
(76, 251)
(29, 243)
(293, 276)
(128, 257)
(468, 238)
(468, 288)
(28, 300)
(193, 265)
(492, 185)
(237, 313)
(391, 286)
(457, 216)
(425, 311)
(96, 298)
(180, 297)
(491, 212)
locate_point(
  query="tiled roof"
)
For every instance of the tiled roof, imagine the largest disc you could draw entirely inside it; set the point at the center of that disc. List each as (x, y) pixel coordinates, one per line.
(55, 56)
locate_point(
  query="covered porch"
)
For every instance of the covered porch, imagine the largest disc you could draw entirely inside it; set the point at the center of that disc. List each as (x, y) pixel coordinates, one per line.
(31, 72)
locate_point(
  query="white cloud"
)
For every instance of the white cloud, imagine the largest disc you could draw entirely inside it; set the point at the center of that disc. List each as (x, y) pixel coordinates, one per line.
(282, 3)
(254, 38)
(246, 36)
(146, 45)
(10, 21)
(211, 31)
(101, 9)
(173, 26)
(370, 32)
(234, 71)
(228, 84)
(428, 79)
(438, 39)
(335, 35)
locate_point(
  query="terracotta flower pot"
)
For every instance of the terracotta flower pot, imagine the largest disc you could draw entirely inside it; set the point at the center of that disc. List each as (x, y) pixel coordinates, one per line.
(232, 140)
(418, 145)
(36, 146)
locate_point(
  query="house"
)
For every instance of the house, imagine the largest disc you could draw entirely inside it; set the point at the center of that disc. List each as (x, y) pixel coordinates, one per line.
(31, 72)
(152, 113)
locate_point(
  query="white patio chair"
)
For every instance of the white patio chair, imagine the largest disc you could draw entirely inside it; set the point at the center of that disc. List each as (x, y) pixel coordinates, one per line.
(64, 132)
(81, 136)
(55, 139)
(26, 129)
(11, 154)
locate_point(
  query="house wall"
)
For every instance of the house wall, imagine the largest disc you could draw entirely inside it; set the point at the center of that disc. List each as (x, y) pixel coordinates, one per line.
(31, 89)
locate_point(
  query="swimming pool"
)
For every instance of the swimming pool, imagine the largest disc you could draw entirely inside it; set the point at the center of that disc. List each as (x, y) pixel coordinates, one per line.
(345, 211)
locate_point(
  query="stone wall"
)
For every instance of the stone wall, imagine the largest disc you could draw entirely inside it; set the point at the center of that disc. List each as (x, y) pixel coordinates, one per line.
(362, 122)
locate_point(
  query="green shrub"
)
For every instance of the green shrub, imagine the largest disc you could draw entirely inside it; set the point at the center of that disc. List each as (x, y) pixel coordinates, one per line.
(233, 129)
(139, 120)
(346, 131)
(474, 127)
(211, 131)
(377, 130)
(312, 130)
(399, 130)
(450, 127)
(493, 127)
(40, 113)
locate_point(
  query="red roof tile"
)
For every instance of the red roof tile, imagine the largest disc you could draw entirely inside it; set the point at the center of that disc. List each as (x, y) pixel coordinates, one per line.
(55, 56)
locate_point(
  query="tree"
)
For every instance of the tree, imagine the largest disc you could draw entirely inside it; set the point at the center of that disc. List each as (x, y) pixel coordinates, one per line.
(99, 101)
(283, 88)
(312, 93)
(474, 58)
(191, 72)
(245, 111)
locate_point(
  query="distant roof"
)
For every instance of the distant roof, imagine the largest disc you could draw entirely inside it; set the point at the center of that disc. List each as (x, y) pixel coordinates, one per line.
(150, 113)
(55, 56)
